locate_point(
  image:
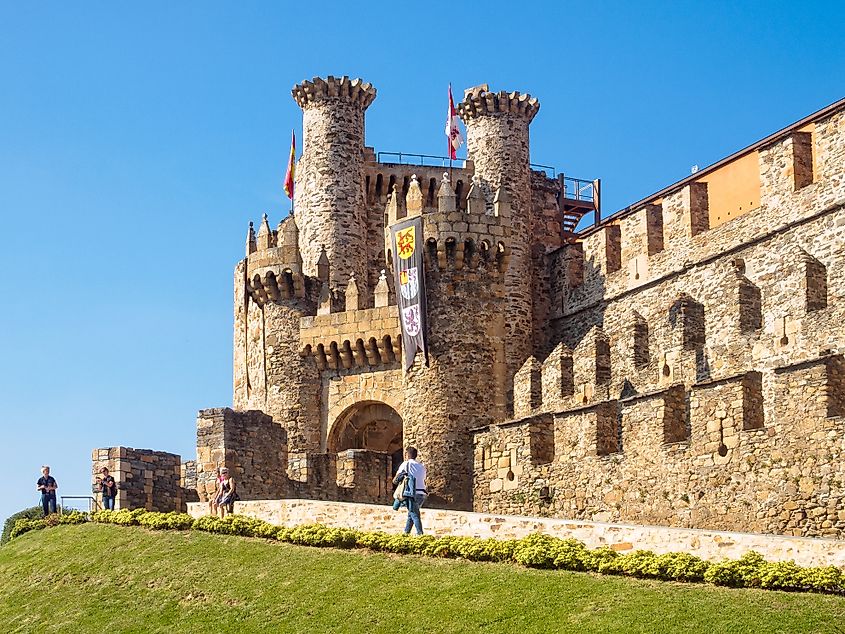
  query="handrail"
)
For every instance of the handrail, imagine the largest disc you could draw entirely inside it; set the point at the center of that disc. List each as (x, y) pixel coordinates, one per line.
(93, 505)
(544, 168)
(578, 189)
(444, 161)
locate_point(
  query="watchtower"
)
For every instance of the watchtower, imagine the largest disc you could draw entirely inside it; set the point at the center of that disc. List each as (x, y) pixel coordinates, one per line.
(497, 143)
(329, 192)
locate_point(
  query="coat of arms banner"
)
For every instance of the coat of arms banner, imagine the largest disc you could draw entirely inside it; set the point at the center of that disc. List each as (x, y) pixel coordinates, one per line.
(408, 265)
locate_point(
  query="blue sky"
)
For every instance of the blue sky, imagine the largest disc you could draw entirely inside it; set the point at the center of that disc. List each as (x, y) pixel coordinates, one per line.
(137, 141)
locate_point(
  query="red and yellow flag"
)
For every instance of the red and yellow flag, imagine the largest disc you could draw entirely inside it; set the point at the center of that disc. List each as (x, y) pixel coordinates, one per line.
(291, 166)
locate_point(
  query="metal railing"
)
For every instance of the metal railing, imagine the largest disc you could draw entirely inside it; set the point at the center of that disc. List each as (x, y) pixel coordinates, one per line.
(550, 171)
(93, 505)
(429, 160)
(577, 189)
(423, 160)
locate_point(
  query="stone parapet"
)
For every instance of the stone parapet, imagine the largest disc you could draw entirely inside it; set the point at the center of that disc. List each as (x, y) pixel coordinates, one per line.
(354, 338)
(479, 101)
(250, 444)
(318, 89)
(714, 456)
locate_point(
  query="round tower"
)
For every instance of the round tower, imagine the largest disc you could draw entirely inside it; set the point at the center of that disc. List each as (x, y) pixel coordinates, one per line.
(329, 189)
(497, 143)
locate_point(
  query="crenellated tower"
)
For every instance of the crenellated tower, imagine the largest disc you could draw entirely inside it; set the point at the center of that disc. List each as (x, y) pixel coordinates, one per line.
(271, 297)
(464, 385)
(329, 190)
(497, 143)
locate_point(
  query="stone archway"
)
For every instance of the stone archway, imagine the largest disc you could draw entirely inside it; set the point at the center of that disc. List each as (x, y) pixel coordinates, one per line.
(371, 425)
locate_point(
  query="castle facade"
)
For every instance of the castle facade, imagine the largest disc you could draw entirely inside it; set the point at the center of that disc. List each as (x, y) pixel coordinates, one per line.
(679, 362)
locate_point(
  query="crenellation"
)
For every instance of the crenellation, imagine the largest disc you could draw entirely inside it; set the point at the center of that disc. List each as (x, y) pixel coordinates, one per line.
(528, 388)
(641, 236)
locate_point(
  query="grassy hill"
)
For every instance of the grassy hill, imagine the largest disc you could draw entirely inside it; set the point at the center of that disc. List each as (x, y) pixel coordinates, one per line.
(102, 577)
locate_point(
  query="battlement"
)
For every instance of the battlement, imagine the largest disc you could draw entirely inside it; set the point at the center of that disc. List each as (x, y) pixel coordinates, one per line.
(353, 338)
(318, 89)
(479, 101)
(471, 239)
(382, 178)
(793, 171)
(273, 262)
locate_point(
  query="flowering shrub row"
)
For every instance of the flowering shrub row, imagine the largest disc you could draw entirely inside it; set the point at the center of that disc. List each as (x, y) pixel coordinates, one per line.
(25, 525)
(533, 551)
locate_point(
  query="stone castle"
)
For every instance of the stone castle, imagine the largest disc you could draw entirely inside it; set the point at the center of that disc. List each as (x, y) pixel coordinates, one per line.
(679, 362)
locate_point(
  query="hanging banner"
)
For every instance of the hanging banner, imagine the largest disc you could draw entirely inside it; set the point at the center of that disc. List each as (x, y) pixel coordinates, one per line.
(410, 287)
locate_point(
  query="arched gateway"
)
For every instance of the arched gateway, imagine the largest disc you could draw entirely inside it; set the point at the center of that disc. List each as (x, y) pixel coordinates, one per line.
(369, 425)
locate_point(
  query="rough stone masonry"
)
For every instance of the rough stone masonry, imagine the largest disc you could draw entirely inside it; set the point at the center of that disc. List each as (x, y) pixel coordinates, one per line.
(677, 363)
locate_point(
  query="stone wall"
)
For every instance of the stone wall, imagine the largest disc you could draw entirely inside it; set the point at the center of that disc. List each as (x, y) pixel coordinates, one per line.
(188, 481)
(146, 479)
(254, 449)
(707, 544)
(704, 457)
(249, 444)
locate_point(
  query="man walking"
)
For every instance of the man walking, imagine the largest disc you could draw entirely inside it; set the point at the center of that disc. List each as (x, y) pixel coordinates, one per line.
(47, 485)
(415, 492)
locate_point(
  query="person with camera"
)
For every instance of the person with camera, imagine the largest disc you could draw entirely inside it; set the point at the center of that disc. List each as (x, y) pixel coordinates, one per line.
(108, 487)
(47, 486)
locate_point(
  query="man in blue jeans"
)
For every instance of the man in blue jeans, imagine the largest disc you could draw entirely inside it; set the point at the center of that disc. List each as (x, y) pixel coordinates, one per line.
(415, 473)
(47, 486)
(108, 487)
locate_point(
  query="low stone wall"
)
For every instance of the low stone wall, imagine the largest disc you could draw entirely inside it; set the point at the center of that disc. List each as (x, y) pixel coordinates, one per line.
(146, 479)
(711, 545)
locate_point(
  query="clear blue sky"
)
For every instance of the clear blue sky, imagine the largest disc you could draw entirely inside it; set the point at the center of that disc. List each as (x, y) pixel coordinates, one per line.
(137, 141)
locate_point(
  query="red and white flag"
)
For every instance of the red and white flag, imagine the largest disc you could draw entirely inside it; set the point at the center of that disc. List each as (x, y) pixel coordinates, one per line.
(453, 132)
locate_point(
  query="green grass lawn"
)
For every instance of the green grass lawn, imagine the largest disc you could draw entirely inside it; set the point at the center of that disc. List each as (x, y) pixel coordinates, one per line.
(107, 578)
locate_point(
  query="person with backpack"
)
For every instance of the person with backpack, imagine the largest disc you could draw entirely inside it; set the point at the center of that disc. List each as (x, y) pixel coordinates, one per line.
(412, 474)
(47, 486)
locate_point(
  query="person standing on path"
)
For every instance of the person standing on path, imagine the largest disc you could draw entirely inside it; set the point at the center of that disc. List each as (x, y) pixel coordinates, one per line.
(414, 472)
(108, 487)
(47, 486)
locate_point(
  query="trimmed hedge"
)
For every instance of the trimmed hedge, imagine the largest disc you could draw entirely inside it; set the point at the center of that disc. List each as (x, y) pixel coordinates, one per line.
(533, 551)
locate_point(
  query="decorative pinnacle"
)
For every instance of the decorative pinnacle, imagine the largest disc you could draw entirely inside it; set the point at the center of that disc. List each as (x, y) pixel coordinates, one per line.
(414, 197)
(333, 88)
(479, 102)
(251, 244)
(382, 275)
